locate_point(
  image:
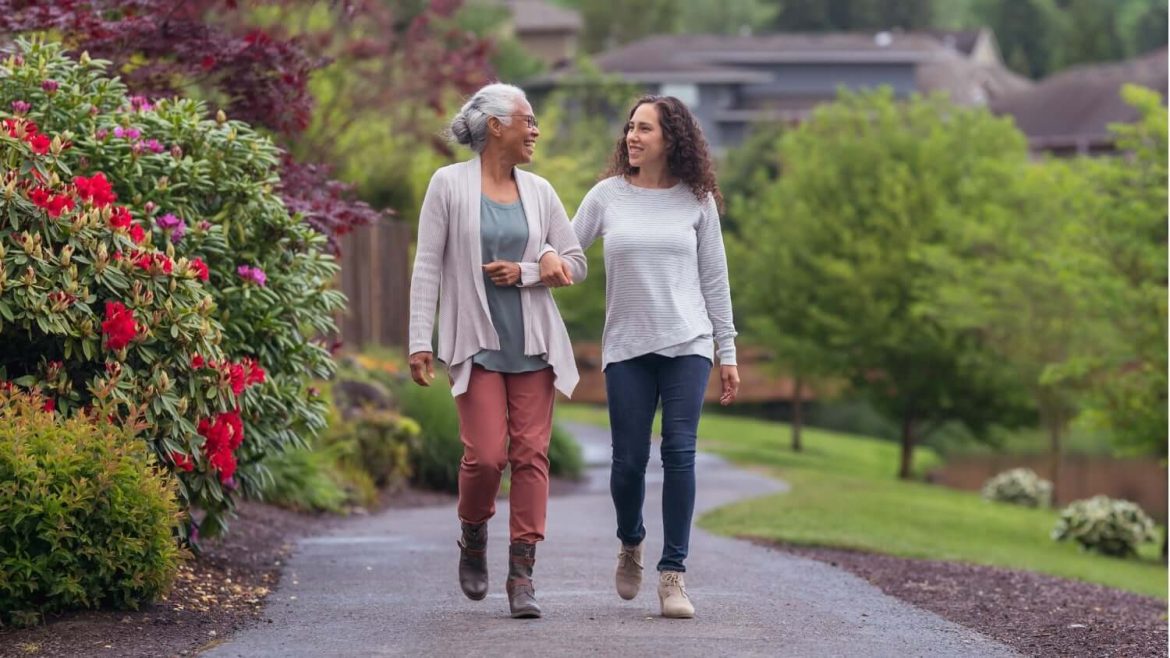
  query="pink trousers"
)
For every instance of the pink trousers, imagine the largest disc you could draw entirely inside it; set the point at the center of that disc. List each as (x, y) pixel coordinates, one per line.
(498, 407)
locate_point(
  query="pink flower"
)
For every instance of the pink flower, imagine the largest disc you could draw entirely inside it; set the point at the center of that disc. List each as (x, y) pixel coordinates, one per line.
(102, 133)
(20, 107)
(172, 225)
(155, 146)
(119, 132)
(141, 104)
(50, 86)
(253, 274)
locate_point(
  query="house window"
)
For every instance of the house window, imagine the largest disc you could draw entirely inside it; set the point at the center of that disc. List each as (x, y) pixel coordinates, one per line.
(688, 94)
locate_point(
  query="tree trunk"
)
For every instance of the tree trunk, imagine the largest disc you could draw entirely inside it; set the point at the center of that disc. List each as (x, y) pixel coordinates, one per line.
(1055, 455)
(797, 414)
(904, 471)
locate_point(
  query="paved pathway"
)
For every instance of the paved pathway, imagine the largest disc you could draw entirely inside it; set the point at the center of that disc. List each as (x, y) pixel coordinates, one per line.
(385, 585)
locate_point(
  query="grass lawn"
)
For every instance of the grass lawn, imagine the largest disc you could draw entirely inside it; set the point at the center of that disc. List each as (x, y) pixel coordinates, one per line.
(845, 494)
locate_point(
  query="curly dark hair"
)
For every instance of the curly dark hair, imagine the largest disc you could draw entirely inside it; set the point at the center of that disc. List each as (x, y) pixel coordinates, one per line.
(687, 157)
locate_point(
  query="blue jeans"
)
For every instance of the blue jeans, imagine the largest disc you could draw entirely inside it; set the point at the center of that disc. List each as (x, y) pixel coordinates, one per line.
(634, 388)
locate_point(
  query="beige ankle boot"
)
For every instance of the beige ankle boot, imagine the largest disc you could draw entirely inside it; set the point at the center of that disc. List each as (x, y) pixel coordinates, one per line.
(672, 593)
(628, 577)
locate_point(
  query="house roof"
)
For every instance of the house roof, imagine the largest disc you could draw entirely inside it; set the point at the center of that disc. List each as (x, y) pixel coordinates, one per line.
(969, 82)
(964, 41)
(696, 51)
(1079, 103)
(541, 16)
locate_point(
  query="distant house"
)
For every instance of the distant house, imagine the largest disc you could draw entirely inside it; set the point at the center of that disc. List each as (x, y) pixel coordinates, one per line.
(1069, 112)
(546, 31)
(731, 82)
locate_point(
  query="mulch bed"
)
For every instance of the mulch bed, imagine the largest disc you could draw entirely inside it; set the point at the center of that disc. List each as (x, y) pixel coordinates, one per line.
(215, 595)
(1035, 614)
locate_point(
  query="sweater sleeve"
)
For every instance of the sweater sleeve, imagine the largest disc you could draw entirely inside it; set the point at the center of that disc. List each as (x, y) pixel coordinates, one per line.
(714, 283)
(588, 223)
(428, 264)
(561, 239)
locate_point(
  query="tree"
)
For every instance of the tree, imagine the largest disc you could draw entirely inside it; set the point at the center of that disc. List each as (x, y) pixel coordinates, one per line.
(1025, 277)
(260, 65)
(846, 15)
(776, 293)
(1128, 229)
(870, 186)
(609, 23)
(1039, 37)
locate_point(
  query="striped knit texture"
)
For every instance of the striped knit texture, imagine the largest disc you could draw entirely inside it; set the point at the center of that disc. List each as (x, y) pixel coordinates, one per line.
(665, 269)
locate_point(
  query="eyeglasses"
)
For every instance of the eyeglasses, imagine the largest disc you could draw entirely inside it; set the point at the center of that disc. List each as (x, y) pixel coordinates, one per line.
(532, 122)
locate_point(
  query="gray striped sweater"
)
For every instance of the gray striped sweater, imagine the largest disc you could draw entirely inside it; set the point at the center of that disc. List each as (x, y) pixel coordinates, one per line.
(666, 289)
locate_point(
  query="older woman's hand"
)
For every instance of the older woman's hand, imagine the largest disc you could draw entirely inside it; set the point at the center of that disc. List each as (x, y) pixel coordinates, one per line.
(503, 273)
(554, 272)
(422, 368)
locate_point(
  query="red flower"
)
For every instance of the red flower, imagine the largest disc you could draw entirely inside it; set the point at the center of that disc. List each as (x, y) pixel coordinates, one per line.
(58, 204)
(50, 405)
(119, 326)
(153, 261)
(95, 189)
(137, 234)
(121, 217)
(222, 436)
(197, 361)
(224, 463)
(200, 268)
(238, 377)
(182, 462)
(39, 143)
(40, 196)
(255, 372)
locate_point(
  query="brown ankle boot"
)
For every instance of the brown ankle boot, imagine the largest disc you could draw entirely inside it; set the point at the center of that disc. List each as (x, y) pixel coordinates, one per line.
(521, 593)
(473, 574)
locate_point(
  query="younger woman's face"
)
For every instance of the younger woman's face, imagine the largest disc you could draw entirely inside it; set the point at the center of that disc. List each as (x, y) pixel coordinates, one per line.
(645, 140)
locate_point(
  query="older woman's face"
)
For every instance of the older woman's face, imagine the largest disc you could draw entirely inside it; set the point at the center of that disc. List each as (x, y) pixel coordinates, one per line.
(519, 139)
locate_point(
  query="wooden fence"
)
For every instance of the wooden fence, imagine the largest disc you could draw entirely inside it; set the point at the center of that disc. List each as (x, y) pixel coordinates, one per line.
(375, 276)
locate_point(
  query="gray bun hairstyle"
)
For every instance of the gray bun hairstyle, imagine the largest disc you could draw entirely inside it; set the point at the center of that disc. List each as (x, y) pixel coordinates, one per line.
(470, 125)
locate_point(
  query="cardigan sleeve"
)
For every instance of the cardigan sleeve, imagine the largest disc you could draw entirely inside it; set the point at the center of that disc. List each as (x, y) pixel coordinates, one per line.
(560, 239)
(428, 264)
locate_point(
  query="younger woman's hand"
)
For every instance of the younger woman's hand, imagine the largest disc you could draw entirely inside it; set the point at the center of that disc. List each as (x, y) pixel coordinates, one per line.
(503, 273)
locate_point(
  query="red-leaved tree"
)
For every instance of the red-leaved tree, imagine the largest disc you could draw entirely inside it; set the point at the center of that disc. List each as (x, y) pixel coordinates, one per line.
(261, 75)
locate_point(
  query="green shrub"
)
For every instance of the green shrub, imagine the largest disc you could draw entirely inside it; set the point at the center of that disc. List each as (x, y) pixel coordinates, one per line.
(435, 463)
(1019, 486)
(436, 459)
(1108, 526)
(385, 441)
(307, 479)
(564, 455)
(205, 189)
(87, 522)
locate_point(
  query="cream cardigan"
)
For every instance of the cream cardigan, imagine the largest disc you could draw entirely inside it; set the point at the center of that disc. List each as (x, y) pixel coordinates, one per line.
(448, 269)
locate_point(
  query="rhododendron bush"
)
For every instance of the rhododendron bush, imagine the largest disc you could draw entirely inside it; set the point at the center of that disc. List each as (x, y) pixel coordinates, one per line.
(194, 282)
(98, 321)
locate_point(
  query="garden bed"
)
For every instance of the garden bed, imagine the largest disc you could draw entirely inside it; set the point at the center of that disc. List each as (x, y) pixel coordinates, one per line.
(1036, 614)
(214, 596)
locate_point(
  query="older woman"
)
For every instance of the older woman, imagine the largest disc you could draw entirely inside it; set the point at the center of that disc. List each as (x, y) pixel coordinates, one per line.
(492, 240)
(667, 304)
